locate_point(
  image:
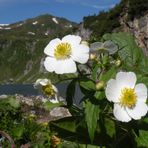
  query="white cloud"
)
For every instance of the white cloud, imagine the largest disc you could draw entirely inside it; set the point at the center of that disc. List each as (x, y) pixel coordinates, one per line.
(102, 6)
(97, 6)
(88, 3)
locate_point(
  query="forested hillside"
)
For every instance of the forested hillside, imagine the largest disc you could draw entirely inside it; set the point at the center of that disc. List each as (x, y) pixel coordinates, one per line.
(107, 21)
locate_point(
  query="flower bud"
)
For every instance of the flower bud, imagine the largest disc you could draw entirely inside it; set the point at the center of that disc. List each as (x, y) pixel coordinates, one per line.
(92, 56)
(45, 124)
(55, 141)
(100, 85)
(32, 116)
(118, 63)
(85, 43)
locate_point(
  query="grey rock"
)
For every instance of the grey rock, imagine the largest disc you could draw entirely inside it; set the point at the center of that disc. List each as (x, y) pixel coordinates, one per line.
(139, 28)
(60, 112)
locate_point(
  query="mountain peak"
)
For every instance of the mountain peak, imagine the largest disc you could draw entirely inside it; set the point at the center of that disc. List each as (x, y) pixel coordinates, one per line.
(22, 45)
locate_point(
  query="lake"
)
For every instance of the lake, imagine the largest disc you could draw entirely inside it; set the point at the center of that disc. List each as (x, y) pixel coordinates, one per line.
(28, 90)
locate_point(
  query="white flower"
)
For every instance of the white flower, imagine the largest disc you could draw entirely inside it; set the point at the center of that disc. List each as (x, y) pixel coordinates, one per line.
(62, 54)
(129, 98)
(47, 89)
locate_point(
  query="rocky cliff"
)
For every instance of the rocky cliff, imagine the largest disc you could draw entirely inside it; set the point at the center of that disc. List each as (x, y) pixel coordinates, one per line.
(128, 16)
(139, 28)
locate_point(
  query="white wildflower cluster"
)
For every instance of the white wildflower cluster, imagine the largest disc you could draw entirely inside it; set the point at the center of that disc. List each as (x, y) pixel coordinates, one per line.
(63, 54)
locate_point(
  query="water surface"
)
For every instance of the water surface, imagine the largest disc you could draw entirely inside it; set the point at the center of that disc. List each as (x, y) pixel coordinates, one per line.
(28, 90)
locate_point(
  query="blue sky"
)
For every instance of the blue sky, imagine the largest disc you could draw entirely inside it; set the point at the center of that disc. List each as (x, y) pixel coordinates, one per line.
(16, 10)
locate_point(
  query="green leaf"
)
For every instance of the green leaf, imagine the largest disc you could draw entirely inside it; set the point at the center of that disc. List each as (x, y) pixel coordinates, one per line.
(110, 47)
(95, 71)
(99, 95)
(18, 131)
(131, 55)
(142, 140)
(142, 79)
(68, 124)
(110, 127)
(87, 84)
(108, 75)
(69, 144)
(10, 103)
(14, 102)
(91, 117)
(50, 105)
(143, 65)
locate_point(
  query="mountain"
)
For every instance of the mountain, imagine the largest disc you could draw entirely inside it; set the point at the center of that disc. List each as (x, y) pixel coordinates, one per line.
(22, 45)
(128, 16)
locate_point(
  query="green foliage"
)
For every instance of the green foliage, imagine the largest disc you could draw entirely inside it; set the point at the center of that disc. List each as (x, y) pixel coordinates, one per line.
(91, 117)
(106, 22)
(8, 112)
(132, 56)
(68, 124)
(94, 123)
(142, 138)
(137, 8)
(49, 105)
(109, 74)
(22, 129)
(87, 84)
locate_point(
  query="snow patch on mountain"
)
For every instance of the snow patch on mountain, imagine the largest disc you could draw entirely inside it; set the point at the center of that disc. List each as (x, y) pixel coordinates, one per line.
(55, 20)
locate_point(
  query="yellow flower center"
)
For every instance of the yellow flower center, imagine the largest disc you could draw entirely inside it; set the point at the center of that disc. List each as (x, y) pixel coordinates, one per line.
(62, 51)
(48, 90)
(128, 97)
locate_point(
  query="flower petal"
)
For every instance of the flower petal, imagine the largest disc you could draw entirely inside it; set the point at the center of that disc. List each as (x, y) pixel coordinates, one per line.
(44, 82)
(126, 79)
(65, 66)
(49, 49)
(138, 111)
(141, 92)
(37, 83)
(80, 53)
(112, 92)
(96, 46)
(50, 64)
(41, 82)
(120, 113)
(53, 100)
(60, 66)
(72, 39)
(55, 89)
(110, 47)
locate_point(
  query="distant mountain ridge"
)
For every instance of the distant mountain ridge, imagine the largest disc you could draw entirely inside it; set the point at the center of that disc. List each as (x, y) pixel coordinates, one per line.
(39, 26)
(22, 45)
